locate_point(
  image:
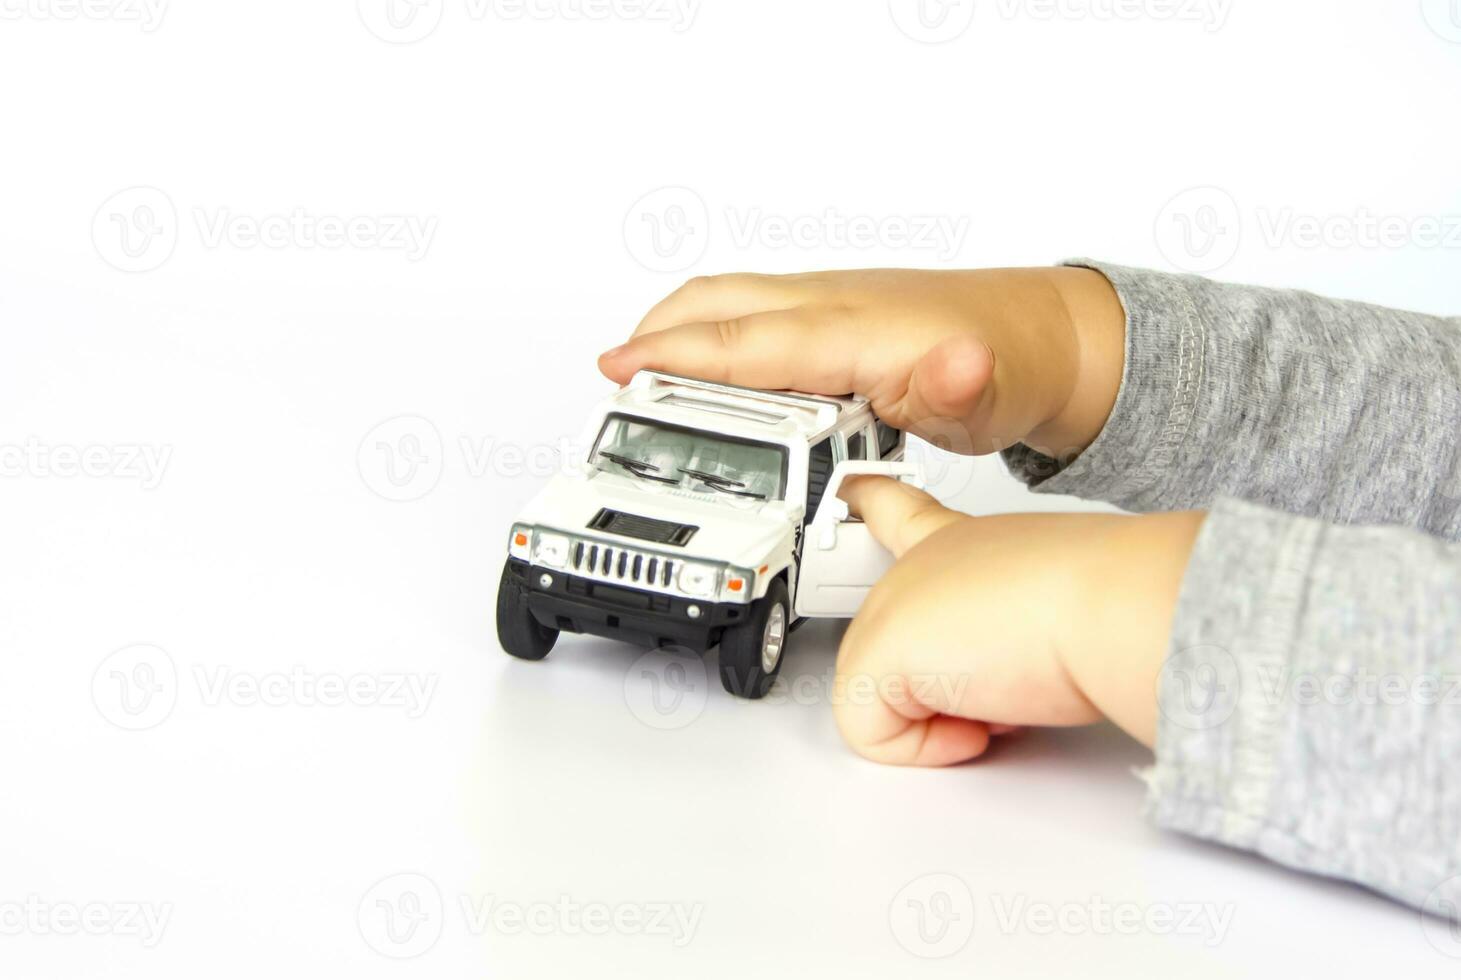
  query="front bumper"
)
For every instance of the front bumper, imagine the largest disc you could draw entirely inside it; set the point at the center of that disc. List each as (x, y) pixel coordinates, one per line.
(647, 619)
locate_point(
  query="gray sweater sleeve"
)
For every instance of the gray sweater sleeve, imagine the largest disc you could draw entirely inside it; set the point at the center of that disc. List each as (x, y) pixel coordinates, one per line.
(1310, 705)
(1334, 409)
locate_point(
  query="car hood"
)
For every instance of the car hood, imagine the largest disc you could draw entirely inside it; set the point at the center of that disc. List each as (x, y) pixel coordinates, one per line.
(730, 530)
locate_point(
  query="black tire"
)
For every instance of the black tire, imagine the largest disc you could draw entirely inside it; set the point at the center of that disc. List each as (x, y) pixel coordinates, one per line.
(744, 671)
(519, 633)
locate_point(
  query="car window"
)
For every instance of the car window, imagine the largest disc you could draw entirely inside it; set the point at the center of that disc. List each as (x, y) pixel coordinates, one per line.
(857, 445)
(819, 471)
(887, 438)
(666, 451)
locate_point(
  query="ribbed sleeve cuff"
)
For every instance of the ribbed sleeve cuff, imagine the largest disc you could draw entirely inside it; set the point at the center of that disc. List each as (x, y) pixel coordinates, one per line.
(1219, 733)
(1132, 457)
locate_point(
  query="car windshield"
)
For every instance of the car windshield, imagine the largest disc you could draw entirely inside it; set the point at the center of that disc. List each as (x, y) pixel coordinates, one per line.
(692, 458)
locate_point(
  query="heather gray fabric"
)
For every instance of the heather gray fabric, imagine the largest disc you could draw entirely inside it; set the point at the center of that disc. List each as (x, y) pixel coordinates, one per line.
(1315, 406)
(1311, 700)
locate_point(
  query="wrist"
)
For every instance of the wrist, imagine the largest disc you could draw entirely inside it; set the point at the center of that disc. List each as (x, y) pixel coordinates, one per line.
(1097, 329)
(1124, 583)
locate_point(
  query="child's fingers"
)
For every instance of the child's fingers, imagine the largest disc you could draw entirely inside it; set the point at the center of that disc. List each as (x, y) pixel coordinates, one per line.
(771, 349)
(709, 299)
(894, 715)
(884, 734)
(898, 515)
(909, 710)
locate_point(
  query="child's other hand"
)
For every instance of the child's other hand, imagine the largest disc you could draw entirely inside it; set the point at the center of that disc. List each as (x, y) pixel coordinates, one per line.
(1025, 619)
(1009, 355)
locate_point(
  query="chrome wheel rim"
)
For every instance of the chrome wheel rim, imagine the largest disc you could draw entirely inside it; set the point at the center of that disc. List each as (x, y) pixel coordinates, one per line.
(772, 639)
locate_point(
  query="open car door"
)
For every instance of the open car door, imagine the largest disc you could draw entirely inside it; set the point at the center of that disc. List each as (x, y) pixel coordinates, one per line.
(841, 561)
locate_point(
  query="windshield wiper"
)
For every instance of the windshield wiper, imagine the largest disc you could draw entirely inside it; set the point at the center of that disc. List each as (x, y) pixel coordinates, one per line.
(638, 467)
(722, 483)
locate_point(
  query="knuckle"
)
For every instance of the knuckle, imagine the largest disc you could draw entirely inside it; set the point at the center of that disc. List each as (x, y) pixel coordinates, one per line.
(729, 332)
(839, 317)
(926, 519)
(697, 286)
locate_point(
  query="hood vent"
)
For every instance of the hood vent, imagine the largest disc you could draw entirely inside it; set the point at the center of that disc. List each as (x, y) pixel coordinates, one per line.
(643, 528)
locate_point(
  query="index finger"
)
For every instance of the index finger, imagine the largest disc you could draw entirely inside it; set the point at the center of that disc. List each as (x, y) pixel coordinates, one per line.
(898, 515)
(706, 299)
(797, 349)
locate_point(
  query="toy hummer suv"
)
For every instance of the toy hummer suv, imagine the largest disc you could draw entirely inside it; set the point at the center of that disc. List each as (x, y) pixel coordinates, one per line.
(703, 513)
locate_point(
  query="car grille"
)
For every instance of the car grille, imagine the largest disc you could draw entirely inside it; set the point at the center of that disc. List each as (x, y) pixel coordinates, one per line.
(629, 566)
(643, 528)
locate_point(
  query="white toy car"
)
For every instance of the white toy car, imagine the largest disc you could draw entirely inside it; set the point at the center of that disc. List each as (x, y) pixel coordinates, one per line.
(703, 514)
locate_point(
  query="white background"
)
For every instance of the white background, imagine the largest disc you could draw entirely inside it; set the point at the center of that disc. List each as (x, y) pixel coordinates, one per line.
(291, 389)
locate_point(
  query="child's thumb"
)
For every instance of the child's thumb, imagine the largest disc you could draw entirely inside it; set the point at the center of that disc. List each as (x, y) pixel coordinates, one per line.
(951, 383)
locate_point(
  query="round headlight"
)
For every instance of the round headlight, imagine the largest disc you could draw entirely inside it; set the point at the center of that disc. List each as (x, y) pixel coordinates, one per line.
(697, 580)
(551, 550)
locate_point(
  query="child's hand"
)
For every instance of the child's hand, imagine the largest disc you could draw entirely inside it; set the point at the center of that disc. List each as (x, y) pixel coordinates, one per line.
(1010, 355)
(1024, 619)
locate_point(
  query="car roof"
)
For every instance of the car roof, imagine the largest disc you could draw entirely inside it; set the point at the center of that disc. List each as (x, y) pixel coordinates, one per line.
(732, 408)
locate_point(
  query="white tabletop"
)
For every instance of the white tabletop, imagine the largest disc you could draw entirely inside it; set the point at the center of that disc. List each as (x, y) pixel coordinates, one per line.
(329, 725)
